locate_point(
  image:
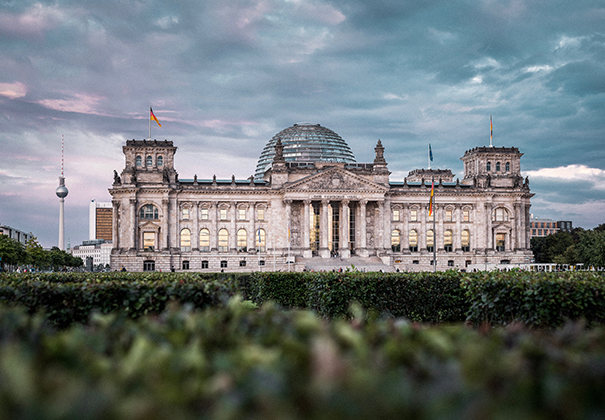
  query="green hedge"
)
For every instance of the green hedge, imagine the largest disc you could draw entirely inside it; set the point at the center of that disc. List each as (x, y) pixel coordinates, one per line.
(240, 362)
(69, 298)
(423, 297)
(537, 299)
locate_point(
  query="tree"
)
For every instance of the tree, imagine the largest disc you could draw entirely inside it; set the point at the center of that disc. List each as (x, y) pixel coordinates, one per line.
(591, 247)
(37, 256)
(12, 252)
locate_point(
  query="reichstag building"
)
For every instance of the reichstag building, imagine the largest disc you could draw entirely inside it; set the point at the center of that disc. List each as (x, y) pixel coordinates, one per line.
(311, 206)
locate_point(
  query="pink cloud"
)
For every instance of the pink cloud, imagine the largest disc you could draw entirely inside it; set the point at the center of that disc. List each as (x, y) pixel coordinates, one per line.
(13, 90)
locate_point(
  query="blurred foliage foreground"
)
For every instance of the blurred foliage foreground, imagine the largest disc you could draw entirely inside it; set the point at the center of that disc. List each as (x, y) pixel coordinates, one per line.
(238, 361)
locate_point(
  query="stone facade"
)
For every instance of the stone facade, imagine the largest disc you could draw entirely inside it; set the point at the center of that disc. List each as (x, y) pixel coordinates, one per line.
(305, 215)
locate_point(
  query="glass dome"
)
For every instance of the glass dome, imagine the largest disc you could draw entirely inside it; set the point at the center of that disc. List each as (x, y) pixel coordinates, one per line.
(305, 142)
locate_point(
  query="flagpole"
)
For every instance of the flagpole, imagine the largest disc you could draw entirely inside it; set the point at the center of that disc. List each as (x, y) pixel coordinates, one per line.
(149, 138)
(434, 230)
(491, 131)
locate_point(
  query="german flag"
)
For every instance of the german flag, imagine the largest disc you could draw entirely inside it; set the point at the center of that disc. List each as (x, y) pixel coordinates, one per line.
(152, 117)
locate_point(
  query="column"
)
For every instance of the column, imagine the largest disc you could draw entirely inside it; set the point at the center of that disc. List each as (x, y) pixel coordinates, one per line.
(255, 227)
(457, 234)
(173, 234)
(115, 234)
(288, 232)
(363, 239)
(232, 226)
(195, 236)
(213, 216)
(324, 252)
(387, 215)
(345, 251)
(133, 224)
(380, 229)
(488, 226)
(439, 216)
(423, 229)
(405, 231)
(165, 218)
(306, 227)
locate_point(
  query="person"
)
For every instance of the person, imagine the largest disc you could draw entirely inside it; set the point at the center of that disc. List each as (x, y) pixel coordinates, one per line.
(172, 268)
(123, 268)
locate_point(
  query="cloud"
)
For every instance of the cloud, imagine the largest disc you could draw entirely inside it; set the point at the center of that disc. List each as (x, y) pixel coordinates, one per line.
(13, 90)
(81, 103)
(571, 173)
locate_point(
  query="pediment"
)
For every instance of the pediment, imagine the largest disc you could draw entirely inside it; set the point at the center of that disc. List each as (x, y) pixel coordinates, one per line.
(335, 180)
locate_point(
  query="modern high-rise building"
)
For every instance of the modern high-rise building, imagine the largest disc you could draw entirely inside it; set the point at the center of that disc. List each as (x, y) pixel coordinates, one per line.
(100, 218)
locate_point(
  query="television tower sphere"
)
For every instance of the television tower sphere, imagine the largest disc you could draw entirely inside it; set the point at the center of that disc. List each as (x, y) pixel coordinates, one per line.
(61, 190)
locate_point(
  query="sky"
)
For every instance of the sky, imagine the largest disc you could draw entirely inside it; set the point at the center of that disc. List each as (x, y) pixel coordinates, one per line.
(224, 76)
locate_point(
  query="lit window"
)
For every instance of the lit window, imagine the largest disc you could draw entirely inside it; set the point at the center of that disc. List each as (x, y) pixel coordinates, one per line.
(430, 240)
(466, 215)
(432, 214)
(185, 213)
(261, 214)
(261, 240)
(149, 161)
(241, 214)
(204, 240)
(507, 167)
(500, 242)
(395, 215)
(148, 211)
(413, 240)
(500, 215)
(138, 161)
(242, 240)
(223, 240)
(447, 240)
(448, 215)
(160, 161)
(497, 166)
(148, 241)
(395, 241)
(204, 214)
(413, 215)
(223, 214)
(489, 166)
(185, 240)
(466, 240)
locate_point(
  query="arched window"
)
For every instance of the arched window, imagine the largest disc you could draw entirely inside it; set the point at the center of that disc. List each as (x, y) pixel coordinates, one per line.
(138, 161)
(497, 166)
(489, 166)
(465, 239)
(396, 241)
(149, 161)
(185, 240)
(160, 161)
(223, 240)
(204, 240)
(149, 211)
(448, 240)
(242, 240)
(413, 240)
(261, 241)
(507, 166)
(430, 240)
(500, 215)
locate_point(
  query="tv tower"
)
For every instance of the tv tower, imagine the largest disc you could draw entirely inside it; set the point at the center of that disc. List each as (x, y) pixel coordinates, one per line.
(62, 193)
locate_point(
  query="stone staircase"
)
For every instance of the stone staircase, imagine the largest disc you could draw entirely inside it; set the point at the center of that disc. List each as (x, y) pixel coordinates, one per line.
(337, 264)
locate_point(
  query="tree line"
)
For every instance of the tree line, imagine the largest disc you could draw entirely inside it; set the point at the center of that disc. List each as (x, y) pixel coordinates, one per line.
(14, 254)
(576, 247)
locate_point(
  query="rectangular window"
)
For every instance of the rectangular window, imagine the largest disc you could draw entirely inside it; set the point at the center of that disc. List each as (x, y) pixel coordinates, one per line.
(261, 262)
(395, 215)
(413, 215)
(260, 214)
(431, 216)
(148, 241)
(500, 242)
(450, 263)
(242, 263)
(148, 265)
(223, 264)
(448, 215)
(223, 214)
(185, 214)
(204, 214)
(185, 265)
(466, 215)
(241, 214)
(204, 264)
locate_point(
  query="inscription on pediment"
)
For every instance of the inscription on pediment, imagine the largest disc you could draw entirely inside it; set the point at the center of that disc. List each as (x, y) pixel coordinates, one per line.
(335, 181)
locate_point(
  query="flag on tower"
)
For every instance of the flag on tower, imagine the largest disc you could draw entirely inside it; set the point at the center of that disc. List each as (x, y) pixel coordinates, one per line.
(152, 117)
(430, 152)
(431, 199)
(491, 129)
